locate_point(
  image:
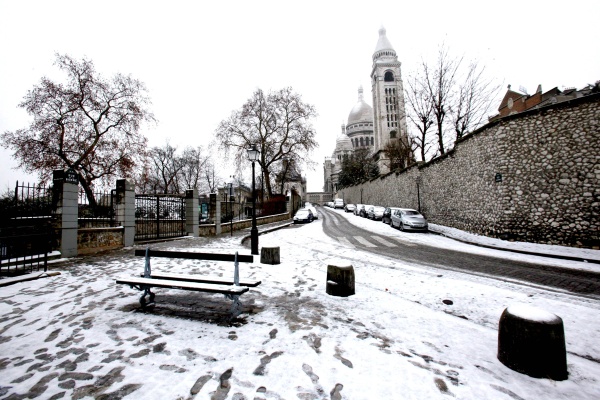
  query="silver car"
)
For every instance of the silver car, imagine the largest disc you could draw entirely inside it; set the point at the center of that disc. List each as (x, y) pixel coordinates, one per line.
(375, 213)
(358, 208)
(409, 219)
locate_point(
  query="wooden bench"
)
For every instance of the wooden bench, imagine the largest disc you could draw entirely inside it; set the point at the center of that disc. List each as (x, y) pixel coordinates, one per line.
(231, 288)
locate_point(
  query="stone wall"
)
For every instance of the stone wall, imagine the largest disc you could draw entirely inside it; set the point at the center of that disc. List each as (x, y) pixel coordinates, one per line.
(531, 177)
(92, 240)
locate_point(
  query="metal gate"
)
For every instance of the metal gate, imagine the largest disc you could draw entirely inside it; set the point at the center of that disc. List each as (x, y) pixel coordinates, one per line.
(159, 216)
(26, 232)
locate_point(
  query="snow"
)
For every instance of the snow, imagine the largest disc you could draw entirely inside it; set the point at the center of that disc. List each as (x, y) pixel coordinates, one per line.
(530, 313)
(83, 336)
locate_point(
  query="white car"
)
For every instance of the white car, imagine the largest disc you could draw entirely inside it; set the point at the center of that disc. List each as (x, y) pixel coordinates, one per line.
(338, 203)
(312, 209)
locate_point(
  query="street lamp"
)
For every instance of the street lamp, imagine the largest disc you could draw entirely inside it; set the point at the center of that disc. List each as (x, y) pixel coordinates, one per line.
(253, 154)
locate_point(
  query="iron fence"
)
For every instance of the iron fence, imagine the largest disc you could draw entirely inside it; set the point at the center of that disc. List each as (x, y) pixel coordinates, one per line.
(28, 204)
(159, 216)
(26, 233)
(25, 251)
(98, 214)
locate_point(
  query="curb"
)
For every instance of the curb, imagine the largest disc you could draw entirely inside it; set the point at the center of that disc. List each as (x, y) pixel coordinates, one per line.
(25, 278)
(268, 230)
(529, 253)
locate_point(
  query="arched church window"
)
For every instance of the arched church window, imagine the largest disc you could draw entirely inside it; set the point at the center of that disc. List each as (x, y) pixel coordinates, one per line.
(372, 141)
(389, 76)
(361, 142)
(392, 134)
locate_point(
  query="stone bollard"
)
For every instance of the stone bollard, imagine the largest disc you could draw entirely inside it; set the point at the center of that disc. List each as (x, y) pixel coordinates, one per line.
(532, 341)
(269, 255)
(340, 279)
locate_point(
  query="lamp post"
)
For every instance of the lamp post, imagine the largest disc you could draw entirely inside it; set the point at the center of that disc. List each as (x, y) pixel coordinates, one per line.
(418, 180)
(253, 154)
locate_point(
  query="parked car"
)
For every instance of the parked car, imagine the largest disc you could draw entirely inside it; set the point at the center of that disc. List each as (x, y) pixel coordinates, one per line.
(408, 219)
(349, 207)
(375, 213)
(312, 209)
(303, 215)
(387, 215)
(329, 204)
(358, 208)
(364, 211)
(338, 203)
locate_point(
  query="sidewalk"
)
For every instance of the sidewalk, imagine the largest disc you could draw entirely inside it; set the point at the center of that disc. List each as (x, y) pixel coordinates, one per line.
(79, 335)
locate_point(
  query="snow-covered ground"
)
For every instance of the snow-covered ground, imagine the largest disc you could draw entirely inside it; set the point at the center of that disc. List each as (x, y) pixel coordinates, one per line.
(79, 335)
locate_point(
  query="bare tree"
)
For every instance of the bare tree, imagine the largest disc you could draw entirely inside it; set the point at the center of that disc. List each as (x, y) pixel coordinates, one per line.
(420, 113)
(439, 82)
(451, 101)
(473, 100)
(278, 123)
(166, 166)
(193, 162)
(210, 176)
(88, 123)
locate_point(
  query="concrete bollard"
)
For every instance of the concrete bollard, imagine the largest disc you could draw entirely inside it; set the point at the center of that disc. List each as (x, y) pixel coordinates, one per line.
(269, 255)
(532, 341)
(340, 279)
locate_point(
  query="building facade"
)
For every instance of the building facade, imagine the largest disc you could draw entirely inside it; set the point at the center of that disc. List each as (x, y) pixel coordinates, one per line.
(388, 99)
(372, 127)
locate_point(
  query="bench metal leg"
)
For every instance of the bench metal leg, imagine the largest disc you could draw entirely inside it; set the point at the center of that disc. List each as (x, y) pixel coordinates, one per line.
(150, 303)
(236, 307)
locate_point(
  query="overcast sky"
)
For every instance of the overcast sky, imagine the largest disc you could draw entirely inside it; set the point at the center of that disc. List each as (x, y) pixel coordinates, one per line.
(200, 60)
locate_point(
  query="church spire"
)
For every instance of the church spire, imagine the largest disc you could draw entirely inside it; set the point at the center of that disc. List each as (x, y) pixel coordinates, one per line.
(360, 93)
(384, 47)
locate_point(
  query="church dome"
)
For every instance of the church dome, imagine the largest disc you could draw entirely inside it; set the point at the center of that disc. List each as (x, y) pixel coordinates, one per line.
(343, 143)
(361, 112)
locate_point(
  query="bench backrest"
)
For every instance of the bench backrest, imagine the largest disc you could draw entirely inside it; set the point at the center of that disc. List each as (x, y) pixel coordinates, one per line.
(196, 256)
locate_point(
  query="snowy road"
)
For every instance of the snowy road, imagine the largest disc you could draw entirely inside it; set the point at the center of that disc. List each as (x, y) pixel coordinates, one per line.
(428, 249)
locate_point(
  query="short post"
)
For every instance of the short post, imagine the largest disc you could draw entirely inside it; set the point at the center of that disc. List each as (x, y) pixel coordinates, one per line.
(67, 211)
(269, 255)
(532, 341)
(340, 279)
(191, 212)
(125, 210)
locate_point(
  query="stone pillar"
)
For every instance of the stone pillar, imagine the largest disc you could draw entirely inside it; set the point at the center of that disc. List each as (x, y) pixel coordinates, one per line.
(125, 210)
(215, 212)
(191, 212)
(67, 211)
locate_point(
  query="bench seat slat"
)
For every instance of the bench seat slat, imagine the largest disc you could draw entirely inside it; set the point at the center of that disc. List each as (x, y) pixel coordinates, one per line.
(201, 279)
(195, 256)
(196, 286)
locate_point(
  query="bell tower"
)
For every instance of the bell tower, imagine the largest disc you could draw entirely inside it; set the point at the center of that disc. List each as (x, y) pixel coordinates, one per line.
(389, 116)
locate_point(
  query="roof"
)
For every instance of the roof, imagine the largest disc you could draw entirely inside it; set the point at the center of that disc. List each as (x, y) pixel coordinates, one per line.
(383, 43)
(361, 112)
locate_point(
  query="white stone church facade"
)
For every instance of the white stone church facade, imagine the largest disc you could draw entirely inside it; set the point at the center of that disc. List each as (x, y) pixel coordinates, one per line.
(372, 127)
